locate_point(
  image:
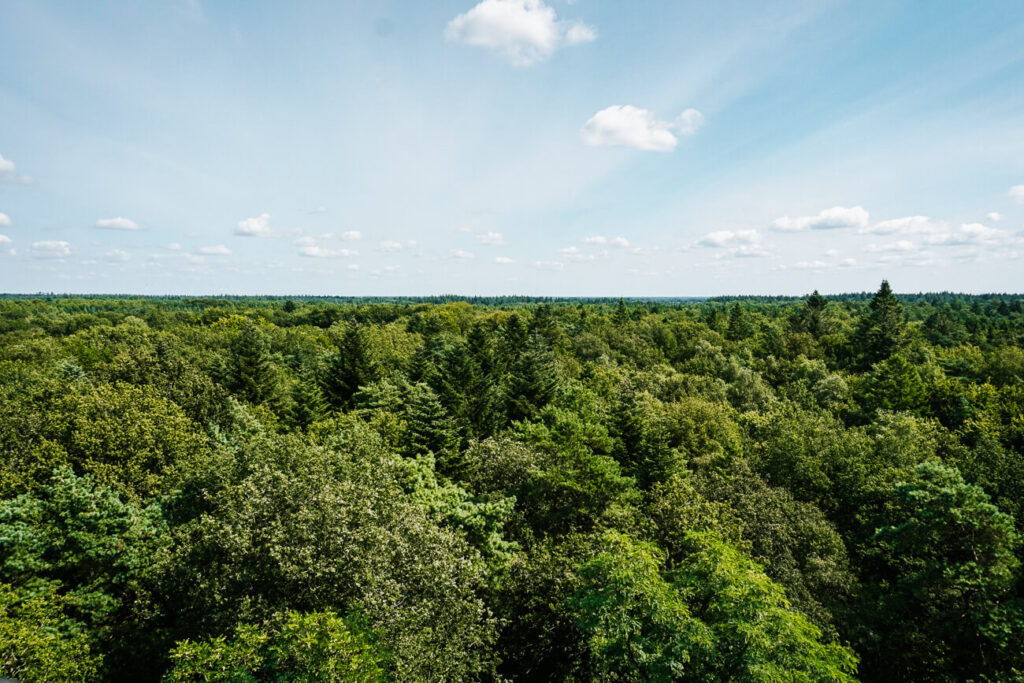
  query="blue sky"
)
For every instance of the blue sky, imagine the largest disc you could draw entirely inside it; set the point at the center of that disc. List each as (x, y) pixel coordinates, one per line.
(511, 146)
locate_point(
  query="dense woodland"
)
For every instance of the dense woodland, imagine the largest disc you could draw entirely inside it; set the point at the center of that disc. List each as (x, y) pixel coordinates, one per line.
(273, 489)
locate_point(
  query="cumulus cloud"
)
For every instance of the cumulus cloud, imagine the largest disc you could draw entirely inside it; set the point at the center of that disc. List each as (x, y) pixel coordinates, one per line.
(829, 219)
(257, 226)
(390, 245)
(994, 216)
(629, 126)
(9, 174)
(1017, 193)
(214, 250)
(119, 223)
(4, 239)
(118, 255)
(351, 235)
(503, 259)
(50, 249)
(5, 220)
(321, 252)
(523, 31)
(460, 254)
(491, 239)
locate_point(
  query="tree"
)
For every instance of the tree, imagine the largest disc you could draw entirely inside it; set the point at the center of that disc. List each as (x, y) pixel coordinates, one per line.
(638, 626)
(39, 643)
(305, 648)
(250, 371)
(882, 332)
(945, 600)
(349, 368)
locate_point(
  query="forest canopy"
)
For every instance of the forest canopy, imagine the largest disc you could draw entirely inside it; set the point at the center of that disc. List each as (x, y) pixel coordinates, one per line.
(298, 489)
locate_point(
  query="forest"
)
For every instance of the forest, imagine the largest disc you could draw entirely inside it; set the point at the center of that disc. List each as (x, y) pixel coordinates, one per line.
(512, 489)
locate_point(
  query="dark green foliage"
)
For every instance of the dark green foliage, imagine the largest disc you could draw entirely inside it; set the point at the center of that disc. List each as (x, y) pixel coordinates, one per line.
(250, 371)
(882, 332)
(303, 488)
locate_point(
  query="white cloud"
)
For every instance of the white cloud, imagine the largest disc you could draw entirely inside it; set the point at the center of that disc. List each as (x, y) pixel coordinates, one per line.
(460, 254)
(600, 240)
(173, 246)
(321, 252)
(9, 174)
(729, 238)
(829, 219)
(5, 220)
(390, 245)
(994, 216)
(305, 242)
(119, 223)
(351, 235)
(47, 249)
(318, 210)
(4, 239)
(118, 255)
(524, 31)
(899, 245)
(491, 239)
(906, 225)
(215, 250)
(1017, 193)
(258, 226)
(548, 265)
(503, 259)
(629, 126)
(969, 233)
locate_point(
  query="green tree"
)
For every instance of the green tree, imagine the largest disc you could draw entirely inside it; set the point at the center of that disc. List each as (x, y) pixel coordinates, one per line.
(946, 599)
(305, 648)
(882, 332)
(250, 370)
(39, 643)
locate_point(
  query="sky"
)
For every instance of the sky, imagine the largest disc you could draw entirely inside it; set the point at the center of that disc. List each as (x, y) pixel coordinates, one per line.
(534, 147)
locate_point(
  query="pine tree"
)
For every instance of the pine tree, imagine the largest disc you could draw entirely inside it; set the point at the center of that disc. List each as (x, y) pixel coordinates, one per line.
(308, 401)
(430, 429)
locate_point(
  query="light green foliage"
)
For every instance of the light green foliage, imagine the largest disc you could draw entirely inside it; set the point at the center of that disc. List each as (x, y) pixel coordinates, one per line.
(305, 648)
(39, 643)
(638, 626)
(755, 636)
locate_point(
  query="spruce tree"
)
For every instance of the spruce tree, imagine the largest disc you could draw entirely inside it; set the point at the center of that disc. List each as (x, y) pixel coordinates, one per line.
(882, 332)
(250, 371)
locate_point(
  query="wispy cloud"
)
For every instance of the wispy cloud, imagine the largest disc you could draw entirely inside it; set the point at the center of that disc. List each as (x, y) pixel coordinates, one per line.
(119, 223)
(491, 239)
(322, 252)
(214, 250)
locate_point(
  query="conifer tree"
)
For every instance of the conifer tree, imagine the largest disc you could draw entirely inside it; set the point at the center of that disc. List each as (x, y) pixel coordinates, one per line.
(348, 369)
(882, 332)
(251, 373)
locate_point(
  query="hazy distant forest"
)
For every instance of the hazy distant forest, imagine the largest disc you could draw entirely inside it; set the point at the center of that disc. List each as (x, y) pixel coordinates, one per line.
(751, 489)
